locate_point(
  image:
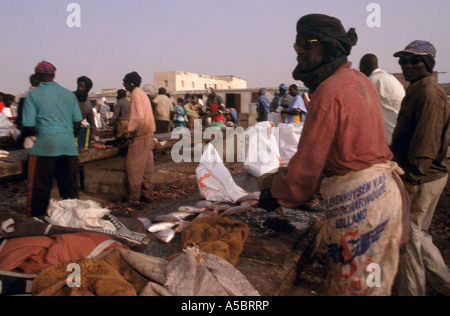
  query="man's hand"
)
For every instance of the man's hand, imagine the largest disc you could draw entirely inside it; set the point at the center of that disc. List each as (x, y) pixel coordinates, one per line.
(267, 202)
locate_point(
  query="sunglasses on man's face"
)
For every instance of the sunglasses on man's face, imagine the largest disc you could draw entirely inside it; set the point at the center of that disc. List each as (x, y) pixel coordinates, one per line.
(411, 60)
(304, 45)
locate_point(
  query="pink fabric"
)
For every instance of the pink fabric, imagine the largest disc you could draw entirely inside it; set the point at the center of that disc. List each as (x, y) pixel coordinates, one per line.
(142, 121)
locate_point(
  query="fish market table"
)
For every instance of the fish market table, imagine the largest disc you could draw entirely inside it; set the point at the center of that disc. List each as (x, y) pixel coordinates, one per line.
(275, 247)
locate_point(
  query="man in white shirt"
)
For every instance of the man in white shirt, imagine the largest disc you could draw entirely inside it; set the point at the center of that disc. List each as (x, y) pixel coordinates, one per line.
(391, 91)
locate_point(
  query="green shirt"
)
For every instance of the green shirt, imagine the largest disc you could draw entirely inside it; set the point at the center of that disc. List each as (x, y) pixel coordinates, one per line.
(52, 110)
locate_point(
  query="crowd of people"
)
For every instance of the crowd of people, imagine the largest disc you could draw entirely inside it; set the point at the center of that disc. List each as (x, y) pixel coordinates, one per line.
(376, 153)
(288, 106)
(344, 153)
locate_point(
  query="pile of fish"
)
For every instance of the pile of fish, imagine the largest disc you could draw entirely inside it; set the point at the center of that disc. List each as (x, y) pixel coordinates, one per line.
(168, 225)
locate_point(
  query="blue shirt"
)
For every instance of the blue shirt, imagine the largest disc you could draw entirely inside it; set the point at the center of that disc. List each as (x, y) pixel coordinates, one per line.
(297, 103)
(52, 110)
(264, 102)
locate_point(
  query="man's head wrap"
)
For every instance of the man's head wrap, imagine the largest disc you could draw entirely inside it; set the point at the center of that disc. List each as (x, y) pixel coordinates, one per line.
(87, 81)
(133, 79)
(337, 46)
(45, 67)
(329, 31)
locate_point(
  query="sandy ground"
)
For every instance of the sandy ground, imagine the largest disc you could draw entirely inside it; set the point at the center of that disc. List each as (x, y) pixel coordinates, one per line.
(174, 182)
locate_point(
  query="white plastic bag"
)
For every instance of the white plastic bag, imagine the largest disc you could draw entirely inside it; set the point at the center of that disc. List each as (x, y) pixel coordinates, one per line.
(289, 138)
(214, 180)
(262, 154)
(275, 118)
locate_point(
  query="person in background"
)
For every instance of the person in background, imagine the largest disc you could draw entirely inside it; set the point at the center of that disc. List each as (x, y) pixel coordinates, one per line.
(262, 105)
(282, 100)
(53, 112)
(88, 126)
(192, 109)
(121, 116)
(163, 109)
(216, 110)
(296, 113)
(420, 143)
(179, 118)
(391, 91)
(101, 114)
(8, 101)
(141, 129)
(232, 118)
(34, 83)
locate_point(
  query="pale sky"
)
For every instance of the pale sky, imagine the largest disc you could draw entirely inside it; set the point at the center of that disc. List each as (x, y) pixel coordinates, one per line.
(251, 39)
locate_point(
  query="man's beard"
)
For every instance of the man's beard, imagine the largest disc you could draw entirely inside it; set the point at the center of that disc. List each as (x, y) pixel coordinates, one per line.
(81, 96)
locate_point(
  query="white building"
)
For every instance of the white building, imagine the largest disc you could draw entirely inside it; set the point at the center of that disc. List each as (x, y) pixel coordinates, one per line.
(176, 81)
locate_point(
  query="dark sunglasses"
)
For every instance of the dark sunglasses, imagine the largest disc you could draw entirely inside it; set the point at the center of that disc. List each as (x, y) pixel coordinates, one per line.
(304, 45)
(411, 60)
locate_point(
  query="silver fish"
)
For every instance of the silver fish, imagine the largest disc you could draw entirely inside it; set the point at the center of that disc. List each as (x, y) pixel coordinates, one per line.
(236, 210)
(204, 204)
(191, 209)
(208, 213)
(249, 197)
(158, 227)
(172, 217)
(251, 203)
(166, 236)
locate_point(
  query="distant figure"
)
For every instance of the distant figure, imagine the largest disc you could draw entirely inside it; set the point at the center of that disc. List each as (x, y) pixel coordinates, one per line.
(8, 100)
(54, 113)
(231, 117)
(262, 105)
(179, 118)
(296, 113)
(84, 85)
(141, 129)
(216, 110)
(391, 91)
(282, 100)
(163, 109)
(121, 116)
(34, 83)
(192, 109)
(101, 113)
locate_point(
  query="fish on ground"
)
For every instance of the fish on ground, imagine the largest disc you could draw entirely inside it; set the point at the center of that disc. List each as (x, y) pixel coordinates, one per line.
(191, 209)
(166, 236)
(249, 197)
(172, 217)
(158, 227)
(236, 210)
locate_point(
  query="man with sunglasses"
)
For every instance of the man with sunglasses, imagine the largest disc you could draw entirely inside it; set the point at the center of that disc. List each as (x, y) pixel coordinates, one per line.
(420, 144)
(343, 152)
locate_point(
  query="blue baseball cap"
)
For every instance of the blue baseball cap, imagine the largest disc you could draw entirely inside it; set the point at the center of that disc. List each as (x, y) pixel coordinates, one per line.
(418, 48)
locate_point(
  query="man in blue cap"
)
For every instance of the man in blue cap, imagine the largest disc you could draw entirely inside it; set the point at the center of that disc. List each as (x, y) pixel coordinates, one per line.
(420, 143)
(283, 99)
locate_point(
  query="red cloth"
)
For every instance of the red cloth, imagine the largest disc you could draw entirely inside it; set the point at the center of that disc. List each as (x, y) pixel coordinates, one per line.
(2, 106)
(344, 132)
(218, 118)
(31, 255)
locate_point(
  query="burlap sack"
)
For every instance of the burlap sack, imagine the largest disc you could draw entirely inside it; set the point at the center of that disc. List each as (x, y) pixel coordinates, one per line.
(364, 227)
